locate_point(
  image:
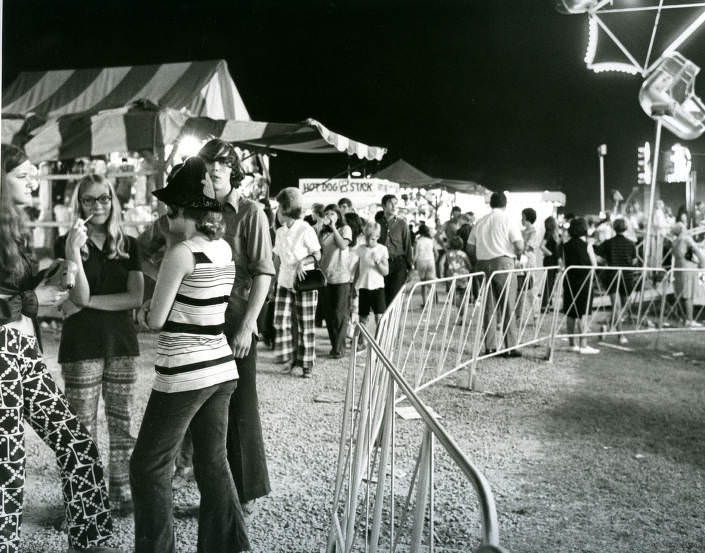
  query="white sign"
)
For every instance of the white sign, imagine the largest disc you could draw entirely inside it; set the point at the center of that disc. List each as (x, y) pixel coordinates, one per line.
(362, 192)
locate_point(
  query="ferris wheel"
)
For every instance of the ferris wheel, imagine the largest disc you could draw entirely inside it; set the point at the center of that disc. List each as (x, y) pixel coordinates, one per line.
(667, 94)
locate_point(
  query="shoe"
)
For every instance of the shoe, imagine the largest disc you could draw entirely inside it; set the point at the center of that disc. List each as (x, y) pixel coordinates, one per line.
(587, 350)
(623, 340)
(512, 353)
(335, 355)
(575, 349)
(287, 368)
(361, 346)
(307, 373)
(693, 324)
(489, 351)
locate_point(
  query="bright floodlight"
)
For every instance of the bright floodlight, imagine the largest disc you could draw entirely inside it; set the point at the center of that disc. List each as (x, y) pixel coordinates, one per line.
(189, 145)
(681, 162)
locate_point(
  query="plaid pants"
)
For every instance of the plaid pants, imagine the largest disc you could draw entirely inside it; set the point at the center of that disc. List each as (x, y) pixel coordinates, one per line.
(304, 306)
(116, 377)
(28, 392)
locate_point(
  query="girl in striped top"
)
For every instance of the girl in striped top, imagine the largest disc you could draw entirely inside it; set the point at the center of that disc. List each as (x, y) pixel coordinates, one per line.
(195, 375)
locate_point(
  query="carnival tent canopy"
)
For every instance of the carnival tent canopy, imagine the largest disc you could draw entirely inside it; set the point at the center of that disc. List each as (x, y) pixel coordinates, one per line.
(144, 126)
(406, 174)
(200, 88)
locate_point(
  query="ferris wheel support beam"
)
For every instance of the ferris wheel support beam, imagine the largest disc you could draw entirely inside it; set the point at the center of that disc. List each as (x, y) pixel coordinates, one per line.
(694, 26)
(619, 44)
(652, 8)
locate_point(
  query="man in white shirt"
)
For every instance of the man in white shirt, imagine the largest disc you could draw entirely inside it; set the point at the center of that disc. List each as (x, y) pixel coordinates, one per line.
(495, 243)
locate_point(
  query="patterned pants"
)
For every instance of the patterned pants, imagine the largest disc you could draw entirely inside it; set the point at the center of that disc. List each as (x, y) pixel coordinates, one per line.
(28, 392)
(304, 351)
(116, 377)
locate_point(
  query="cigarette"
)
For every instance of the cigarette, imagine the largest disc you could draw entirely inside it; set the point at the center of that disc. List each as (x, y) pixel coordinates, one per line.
(88, 218)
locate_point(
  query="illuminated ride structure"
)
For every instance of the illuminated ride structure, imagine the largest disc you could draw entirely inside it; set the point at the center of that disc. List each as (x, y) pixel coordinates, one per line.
(667, 94)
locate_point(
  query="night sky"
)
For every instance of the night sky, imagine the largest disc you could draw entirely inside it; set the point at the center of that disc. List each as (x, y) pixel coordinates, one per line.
(495, 91)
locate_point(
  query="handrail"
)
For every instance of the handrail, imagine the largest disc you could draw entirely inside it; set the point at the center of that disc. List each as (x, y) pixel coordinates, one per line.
(490, 525)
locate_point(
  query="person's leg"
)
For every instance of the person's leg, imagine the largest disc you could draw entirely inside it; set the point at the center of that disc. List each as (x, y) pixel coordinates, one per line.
(327, 305)
(283, 340)
(508, 283)
(489, 317)
(12, 453)
(305, 304)
(245, 444)
(119, 381)
(570, 322)
(340, 315)
(82, 384)
(221, 523)
(165, 421)
(46, 408)
(580, 329)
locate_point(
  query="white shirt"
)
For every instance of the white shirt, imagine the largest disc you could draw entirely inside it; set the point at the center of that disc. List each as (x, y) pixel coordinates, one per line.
(291, 245)
(494, 235)
(369, 276)
(424, 249)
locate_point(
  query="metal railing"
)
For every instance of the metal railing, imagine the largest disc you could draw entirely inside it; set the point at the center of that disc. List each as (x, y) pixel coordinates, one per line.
(364, 516)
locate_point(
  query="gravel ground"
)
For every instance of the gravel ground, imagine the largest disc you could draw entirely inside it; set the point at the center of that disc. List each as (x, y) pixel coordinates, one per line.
(584, 454)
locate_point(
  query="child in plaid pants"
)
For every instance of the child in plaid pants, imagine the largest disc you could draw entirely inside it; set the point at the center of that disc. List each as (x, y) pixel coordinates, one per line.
(299, 350)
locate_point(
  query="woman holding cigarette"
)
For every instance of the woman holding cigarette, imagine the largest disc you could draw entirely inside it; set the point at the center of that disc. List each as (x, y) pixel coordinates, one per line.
(99, 347)
(29, 393)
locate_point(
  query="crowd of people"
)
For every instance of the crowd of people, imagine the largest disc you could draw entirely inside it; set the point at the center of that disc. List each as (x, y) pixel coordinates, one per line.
(224, 272)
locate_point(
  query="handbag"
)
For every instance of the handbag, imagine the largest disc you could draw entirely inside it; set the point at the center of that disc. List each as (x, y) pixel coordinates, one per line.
(315, 279)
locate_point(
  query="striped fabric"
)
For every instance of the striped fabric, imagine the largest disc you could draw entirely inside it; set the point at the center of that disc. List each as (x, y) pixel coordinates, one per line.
(192, 351)
(201, 88)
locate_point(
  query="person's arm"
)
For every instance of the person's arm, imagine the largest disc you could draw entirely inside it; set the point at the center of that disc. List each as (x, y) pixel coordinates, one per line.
(591, 254)
(406, 242)
(338, 236)
(697, 252)
(383, 263)
(177, 263)
(153, 242)
(544, 250)
(122, 301)
(518, 247)
(80, 293)
(259, 254)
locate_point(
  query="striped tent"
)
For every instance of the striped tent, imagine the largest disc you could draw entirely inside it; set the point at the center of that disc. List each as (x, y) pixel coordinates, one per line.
(200, 88)
(69, 114)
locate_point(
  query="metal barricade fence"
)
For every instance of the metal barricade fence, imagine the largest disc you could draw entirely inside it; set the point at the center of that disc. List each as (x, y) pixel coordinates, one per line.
(515, 312)
(607, 301)
(437, 338)
(365, 514)
(683, 300)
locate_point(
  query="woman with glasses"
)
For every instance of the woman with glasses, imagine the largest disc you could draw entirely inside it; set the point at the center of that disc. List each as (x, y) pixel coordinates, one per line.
(98, 348)
(28, 391)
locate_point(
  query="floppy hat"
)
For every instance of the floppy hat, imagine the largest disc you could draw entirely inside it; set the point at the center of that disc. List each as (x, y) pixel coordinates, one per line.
(189, 185)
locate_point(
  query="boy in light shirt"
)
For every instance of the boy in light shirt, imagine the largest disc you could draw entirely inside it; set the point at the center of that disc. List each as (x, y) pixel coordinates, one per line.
(372, 267)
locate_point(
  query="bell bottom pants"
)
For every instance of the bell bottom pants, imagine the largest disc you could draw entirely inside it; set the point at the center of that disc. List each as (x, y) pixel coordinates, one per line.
(29, 393)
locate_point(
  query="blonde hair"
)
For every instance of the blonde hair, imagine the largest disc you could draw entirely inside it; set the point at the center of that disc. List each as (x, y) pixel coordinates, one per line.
(115, 237)
(371, 228)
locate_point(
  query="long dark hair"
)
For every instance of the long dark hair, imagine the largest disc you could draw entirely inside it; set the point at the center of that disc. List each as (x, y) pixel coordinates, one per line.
(13, 231)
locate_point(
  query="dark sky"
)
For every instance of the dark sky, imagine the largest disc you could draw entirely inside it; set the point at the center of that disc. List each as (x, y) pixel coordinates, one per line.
(494, 90)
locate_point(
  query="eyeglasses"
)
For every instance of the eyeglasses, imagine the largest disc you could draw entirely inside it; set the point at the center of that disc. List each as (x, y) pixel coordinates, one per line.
(90, 201)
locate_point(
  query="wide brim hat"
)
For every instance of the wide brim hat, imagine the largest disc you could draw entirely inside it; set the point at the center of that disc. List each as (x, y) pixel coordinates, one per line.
(189, 185)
